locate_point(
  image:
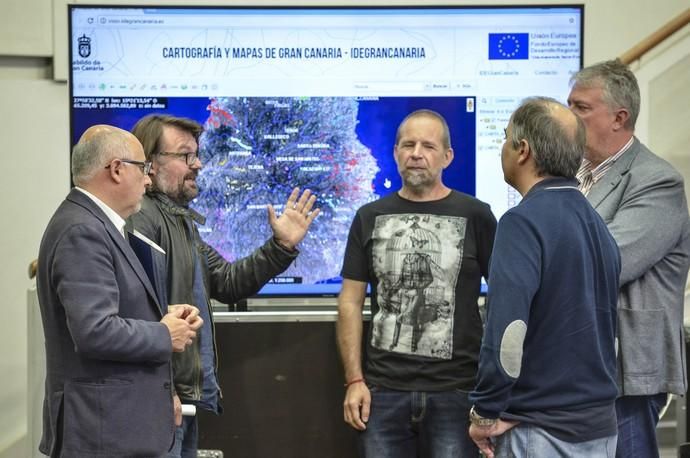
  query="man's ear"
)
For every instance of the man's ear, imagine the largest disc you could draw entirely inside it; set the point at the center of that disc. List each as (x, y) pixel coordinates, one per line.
(115, 171)
(524, 152)
(622, 116)
(448, 157)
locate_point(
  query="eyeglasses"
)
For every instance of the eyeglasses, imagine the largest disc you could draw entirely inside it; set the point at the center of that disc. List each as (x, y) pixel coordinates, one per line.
(189, 157)
(145, 167)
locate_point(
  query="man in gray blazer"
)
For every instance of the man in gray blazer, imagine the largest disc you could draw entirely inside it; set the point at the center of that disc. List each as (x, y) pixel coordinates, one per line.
(108, 344)
(642, 200)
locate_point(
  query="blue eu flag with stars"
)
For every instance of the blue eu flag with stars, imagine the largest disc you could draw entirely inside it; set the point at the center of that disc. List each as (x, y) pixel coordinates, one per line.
(508, 46)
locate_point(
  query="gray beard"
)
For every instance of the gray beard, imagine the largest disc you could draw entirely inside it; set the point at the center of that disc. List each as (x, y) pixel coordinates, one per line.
(416, 180)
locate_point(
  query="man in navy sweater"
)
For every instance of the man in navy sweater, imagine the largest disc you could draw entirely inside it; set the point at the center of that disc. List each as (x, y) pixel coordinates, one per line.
(547, 368)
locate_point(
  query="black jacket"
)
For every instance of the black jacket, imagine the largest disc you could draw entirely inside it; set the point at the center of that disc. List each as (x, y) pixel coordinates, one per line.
(172, 227)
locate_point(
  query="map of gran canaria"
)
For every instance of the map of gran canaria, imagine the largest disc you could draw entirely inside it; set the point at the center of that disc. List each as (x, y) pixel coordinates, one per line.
(255, 150)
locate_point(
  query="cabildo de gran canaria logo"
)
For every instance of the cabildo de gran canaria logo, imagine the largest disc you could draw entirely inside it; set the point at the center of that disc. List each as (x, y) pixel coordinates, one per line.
(84, 46)
(82, 63)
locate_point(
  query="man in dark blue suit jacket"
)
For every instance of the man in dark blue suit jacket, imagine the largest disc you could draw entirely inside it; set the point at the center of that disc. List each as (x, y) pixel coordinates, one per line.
(108, 343)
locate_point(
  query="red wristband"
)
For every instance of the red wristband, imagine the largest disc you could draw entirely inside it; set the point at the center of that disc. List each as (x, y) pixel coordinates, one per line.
(352, 382)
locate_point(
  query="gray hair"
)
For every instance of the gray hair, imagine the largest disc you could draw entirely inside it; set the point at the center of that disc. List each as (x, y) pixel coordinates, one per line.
(557, 149)
(445, 140)
(619, 86)
(92, 154)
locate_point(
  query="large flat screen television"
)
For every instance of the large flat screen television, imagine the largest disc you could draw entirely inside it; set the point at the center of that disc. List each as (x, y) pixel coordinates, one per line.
(312, 96)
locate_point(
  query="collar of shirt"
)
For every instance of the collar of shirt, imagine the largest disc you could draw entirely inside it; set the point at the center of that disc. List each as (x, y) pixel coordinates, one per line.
(109, 212)
(599, 171)
(551, 183)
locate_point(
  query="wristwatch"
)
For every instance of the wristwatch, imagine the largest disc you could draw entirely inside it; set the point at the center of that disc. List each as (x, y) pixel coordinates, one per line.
(478, 420)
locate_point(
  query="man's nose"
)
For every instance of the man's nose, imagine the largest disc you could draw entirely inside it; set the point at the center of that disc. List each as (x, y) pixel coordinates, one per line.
(196, 164)
(417, 151)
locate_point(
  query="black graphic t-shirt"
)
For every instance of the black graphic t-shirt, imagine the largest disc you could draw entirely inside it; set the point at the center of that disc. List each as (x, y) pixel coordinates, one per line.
(424, 262)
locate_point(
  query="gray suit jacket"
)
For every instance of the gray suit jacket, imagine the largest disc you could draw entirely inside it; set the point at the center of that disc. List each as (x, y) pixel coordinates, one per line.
(108, 380)
(642, 200)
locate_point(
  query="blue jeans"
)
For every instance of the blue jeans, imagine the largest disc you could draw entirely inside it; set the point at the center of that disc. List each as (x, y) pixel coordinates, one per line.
(529, 441)
(405, 424)
(637, 419)
(186, 439)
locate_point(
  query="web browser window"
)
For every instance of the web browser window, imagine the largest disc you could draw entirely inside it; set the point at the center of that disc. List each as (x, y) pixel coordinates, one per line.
(312, 97)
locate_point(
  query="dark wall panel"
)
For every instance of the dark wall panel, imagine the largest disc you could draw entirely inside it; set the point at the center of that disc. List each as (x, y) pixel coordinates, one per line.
(282, 389)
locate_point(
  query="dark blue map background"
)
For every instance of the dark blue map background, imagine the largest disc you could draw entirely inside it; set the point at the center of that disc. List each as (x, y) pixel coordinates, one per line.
(375, 127)
(380, 119)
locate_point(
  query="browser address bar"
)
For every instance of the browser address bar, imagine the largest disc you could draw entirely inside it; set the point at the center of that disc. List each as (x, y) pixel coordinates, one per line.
(275, 21)
(131, 20)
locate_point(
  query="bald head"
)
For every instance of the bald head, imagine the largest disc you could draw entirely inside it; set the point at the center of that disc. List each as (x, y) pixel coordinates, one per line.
(94, 132)
(555, 135)
(563, 116)
(97, 146)
(109, 163)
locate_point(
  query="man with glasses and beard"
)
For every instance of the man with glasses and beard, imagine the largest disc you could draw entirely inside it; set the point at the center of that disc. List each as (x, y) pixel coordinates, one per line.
(196, 271)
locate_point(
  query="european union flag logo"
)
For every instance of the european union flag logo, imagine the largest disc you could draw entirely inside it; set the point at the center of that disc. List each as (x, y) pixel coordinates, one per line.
(508, 46)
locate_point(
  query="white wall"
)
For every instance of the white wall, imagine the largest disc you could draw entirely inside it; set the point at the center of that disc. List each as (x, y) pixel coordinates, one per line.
(35, 154)
(34, 129)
